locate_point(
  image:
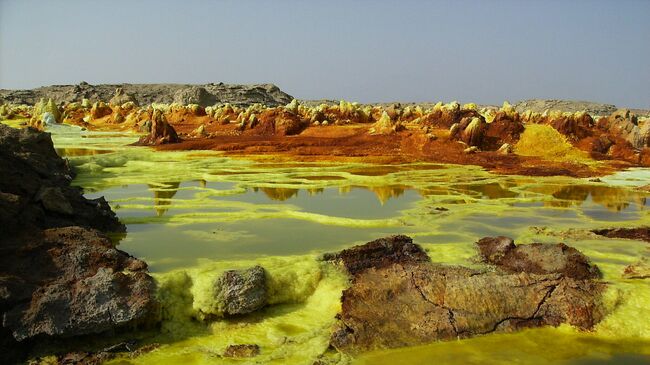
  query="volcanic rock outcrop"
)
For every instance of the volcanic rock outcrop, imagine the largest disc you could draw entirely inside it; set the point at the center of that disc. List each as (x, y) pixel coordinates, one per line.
(399, 298)
(59, 276)
(82, 285)
(35, 187)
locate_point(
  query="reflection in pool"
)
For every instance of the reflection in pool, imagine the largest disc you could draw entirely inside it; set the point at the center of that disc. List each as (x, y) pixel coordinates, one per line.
(191, 214)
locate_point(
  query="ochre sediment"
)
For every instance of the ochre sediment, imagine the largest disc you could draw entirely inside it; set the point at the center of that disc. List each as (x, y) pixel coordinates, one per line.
(499, 139)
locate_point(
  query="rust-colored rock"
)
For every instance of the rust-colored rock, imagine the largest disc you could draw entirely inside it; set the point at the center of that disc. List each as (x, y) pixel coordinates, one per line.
(404, 299)
(574, 127)
(601, 144)
(279, 122)
(623, 124)
(472, 130)
(161, 131)
(638, 270)
(447, 116)
(501, 130)
(100, 110)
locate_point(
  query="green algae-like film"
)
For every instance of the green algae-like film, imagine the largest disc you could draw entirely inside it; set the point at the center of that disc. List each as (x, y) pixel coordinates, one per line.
(193, 215)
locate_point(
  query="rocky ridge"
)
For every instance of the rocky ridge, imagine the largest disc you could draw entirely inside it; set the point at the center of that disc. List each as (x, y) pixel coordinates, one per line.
(144, 94)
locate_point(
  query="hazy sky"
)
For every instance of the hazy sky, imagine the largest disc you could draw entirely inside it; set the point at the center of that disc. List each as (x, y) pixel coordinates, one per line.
(481, 51)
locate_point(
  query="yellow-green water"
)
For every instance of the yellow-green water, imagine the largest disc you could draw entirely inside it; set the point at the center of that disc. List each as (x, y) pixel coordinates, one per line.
(192, 215)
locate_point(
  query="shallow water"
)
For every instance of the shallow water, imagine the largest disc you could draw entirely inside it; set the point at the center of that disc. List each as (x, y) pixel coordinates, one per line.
(192, 215)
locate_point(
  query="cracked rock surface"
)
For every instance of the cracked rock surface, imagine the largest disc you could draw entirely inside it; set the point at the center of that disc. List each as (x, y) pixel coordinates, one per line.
(404, 302)
(83, 285)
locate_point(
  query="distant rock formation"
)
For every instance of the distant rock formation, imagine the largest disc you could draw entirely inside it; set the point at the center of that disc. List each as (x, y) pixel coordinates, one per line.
(203, 95)
(161, 131)
(121, 98)
(625, 124)
(569, 106)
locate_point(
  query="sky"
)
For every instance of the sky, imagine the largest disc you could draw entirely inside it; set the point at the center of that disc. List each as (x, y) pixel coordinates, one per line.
(366, 51)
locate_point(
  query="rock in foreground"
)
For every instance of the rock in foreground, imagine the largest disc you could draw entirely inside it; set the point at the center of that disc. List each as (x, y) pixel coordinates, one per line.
(35, 189)
(82, 285)
(398, 301)
(59, 276)
(241, 291)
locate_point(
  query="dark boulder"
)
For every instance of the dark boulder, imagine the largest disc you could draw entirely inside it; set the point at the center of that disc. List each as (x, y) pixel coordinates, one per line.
(82, 285)
(241, 291)
(35, 191)
(379, 253)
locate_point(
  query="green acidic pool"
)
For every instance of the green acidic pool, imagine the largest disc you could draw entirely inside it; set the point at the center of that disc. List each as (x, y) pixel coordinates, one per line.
(192, 215)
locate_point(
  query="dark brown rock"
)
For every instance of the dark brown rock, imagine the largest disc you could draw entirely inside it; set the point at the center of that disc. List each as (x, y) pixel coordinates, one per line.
(536, 258)
(379, 253)
(602, 144)
(58, 281)
(241, 351)
(395, 302)
(640, 233)
(502, 130)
